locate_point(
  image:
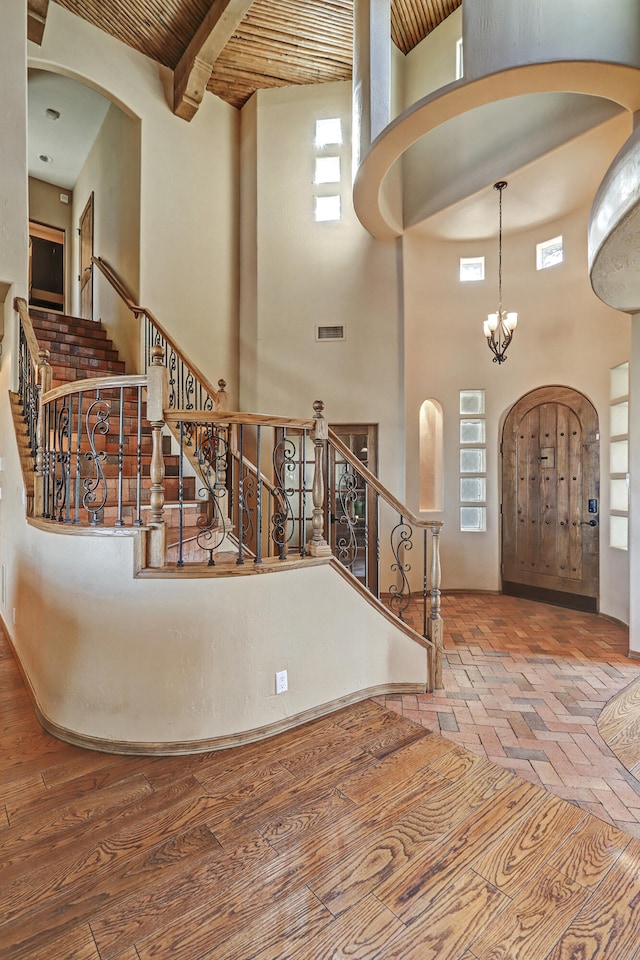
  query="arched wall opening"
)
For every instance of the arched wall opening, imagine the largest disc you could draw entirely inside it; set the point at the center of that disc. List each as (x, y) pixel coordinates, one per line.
(431, 455)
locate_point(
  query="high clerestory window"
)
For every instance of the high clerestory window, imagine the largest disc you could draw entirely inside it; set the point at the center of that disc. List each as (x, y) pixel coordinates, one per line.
(327, 169)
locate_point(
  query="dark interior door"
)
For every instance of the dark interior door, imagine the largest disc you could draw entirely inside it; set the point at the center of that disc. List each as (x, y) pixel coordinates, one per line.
(550, 499)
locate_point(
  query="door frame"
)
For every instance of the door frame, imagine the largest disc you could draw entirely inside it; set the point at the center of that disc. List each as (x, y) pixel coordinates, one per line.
(586, 412)
(85, 277)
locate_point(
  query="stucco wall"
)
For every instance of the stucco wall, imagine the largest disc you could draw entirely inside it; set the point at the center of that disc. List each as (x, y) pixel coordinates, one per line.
(188, 190)
(148, 661)
(565, 335)
(300, 274)
(111, 173)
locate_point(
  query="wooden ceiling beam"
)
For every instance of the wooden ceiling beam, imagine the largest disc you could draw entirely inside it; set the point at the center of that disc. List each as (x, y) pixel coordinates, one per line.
(36, 19)
(192, 74)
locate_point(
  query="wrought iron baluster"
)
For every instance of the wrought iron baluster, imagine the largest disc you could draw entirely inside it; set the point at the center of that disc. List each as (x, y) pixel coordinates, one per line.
(95, 487)
(347, 545)
(119, 521)
(181, 499)
(62, 455)
(241, 503)
(258, 556)
(76, 506)
(401, 543)
(283, 463)
(303, 494)
(138, 519)
(212, 452)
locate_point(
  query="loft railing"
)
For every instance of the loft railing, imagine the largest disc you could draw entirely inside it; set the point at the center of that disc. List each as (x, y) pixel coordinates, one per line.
(189, 389)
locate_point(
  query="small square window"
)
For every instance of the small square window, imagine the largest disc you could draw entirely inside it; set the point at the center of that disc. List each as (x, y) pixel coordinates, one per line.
(549, 253)
(472, 519)
(327, 170)
(619, 456)
(473, 460)
(619, 532)
(471, 268)
(619, 495)
(327, 208)
(619, 381)
(472, 431)
(472, 401)
(328, 131)
(473, 489)
(619, 419)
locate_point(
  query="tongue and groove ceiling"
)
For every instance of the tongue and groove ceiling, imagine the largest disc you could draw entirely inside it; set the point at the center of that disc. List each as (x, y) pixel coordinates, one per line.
(276, 43)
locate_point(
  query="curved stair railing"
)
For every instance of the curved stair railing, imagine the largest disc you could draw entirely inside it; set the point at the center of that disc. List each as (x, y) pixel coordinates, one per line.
(225, 488)
(189, 389)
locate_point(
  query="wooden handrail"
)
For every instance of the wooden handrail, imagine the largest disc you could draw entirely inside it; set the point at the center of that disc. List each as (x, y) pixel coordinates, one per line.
(21, 307)
(95, 383)
(380, 489)
(234, 416)
(112, 277)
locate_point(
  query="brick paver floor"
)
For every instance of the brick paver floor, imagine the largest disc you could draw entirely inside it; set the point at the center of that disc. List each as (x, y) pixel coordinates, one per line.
(524, 684)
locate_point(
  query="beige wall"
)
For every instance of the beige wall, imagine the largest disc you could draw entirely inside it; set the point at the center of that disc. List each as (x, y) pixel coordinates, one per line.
(45, 206)
(189, 190)
(298, 273)
(186, 660)
(565, 336)
(112, 173)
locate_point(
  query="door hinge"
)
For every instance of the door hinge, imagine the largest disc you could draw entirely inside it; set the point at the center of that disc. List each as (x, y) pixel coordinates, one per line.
(500, 509)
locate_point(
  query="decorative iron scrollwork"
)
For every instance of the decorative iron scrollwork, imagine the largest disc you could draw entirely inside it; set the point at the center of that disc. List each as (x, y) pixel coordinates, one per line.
(211, 453)
(61, 462)
(95, 487)
(401, 543)
(347, 545)
(284, 462)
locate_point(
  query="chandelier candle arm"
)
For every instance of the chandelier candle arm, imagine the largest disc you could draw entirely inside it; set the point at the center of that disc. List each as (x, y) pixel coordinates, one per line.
(498, 327)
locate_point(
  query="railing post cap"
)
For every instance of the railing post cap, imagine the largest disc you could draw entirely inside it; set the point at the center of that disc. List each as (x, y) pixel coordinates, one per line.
(156, 354)
(318, 406)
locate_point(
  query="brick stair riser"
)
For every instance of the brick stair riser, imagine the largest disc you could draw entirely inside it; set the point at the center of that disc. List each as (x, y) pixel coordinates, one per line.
(59, 351)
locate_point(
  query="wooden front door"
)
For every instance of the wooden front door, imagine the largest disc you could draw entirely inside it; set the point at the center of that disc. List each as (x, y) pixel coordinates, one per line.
(86, 267)
(551, 498)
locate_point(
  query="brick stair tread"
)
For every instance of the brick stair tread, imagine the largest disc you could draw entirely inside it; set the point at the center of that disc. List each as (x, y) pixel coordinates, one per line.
(61, 323)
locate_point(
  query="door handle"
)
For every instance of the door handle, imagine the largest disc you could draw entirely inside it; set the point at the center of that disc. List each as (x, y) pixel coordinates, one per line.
(589, 523)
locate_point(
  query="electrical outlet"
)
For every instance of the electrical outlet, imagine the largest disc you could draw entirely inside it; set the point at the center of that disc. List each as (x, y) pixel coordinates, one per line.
(281, 681)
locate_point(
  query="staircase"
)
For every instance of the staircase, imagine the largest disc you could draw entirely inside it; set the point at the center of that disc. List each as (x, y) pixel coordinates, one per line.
(80, 349)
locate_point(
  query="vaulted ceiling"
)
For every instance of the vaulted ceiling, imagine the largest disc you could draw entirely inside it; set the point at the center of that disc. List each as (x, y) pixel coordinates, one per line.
(246, 45)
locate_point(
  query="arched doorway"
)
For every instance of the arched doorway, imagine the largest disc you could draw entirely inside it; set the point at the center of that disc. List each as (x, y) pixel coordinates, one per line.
(550, 499)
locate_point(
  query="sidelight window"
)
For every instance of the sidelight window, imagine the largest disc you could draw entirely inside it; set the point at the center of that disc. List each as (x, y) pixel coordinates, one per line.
(619, 457)
(473, 462)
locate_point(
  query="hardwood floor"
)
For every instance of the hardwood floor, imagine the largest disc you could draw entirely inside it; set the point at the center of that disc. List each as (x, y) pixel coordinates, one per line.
(362, 835)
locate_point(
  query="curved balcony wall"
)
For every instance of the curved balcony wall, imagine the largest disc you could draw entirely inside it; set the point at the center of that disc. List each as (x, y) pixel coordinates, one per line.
(614, 227)
(545, 48)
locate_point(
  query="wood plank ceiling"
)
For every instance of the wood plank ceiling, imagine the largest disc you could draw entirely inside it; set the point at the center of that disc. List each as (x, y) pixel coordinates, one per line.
(277, 43)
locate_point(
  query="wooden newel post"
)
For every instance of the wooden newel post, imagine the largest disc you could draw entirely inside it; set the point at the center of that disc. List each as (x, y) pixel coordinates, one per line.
(436, 625)
(157, 394)
(318, 546)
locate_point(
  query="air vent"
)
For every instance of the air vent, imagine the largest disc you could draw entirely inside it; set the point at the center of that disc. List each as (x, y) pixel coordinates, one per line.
(330, 333)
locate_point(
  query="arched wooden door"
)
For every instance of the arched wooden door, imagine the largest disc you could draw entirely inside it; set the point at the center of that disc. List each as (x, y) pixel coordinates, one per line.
(551, 498)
